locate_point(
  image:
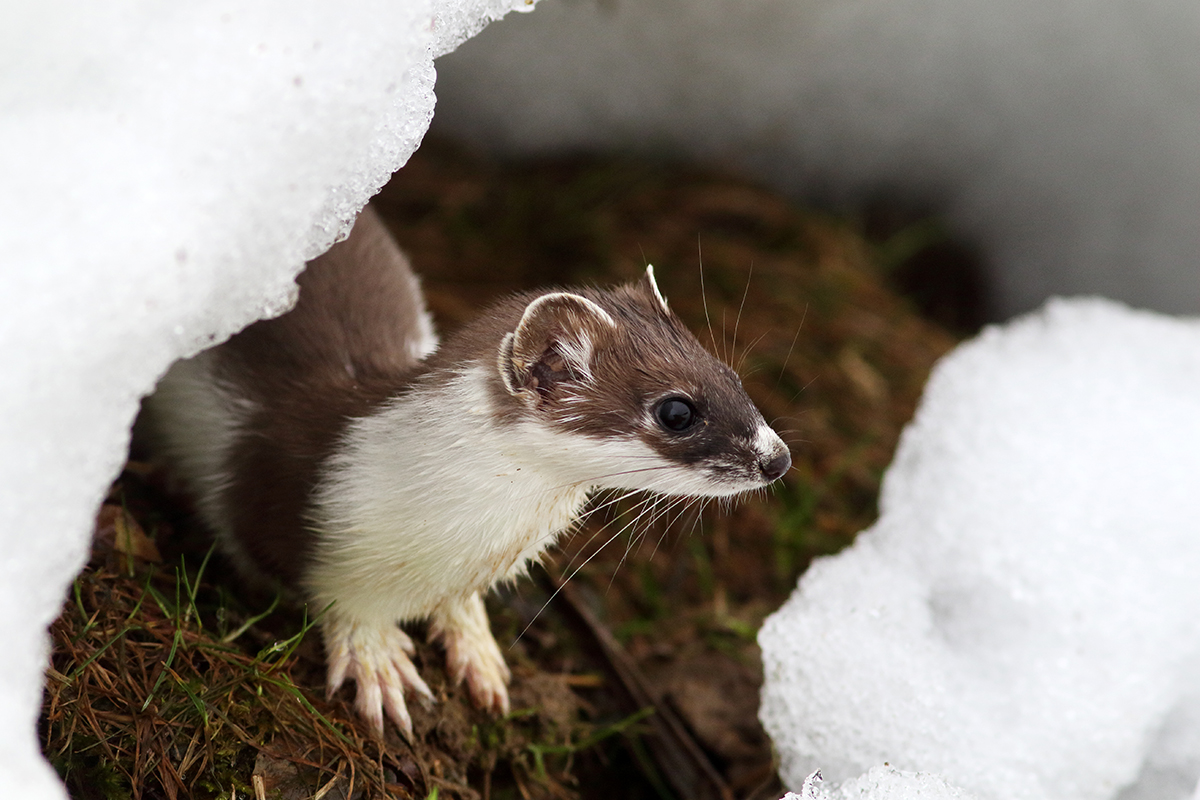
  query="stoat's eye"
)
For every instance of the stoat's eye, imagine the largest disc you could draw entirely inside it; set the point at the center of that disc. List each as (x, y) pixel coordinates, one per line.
(676, 414)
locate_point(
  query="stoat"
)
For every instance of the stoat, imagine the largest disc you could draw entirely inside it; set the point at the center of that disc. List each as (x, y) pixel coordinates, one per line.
(336, 451)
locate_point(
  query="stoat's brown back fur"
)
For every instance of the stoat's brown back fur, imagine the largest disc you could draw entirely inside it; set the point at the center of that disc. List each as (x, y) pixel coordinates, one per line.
(290, 385)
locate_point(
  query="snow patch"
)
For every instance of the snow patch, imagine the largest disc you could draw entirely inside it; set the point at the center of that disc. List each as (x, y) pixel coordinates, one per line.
(1059, 136)
(167, 170)
(1022, 618)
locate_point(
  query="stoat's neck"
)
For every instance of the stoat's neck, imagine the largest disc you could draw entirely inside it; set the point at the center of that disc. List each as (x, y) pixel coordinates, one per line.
(430, 494)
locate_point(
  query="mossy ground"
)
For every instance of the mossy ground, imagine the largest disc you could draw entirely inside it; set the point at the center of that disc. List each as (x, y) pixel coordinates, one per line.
(169, 682)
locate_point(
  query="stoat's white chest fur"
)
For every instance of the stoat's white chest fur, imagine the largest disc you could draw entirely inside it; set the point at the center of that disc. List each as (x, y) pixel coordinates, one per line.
(432, 499)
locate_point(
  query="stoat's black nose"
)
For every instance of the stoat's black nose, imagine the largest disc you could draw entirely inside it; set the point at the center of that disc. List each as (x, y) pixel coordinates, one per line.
(773, 468)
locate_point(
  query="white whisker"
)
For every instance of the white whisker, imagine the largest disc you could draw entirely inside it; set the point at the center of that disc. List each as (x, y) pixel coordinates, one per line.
(795, 338)
(704, 295)
(741, 307)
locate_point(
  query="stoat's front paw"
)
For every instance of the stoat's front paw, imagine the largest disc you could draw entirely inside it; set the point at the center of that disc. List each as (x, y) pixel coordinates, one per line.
(472, 653)
(377, 658)
(478, 661)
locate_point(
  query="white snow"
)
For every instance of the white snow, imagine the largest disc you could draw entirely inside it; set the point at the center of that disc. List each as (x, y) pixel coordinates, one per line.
(881, 783)
(1022, 619)
(165, 170)
(1057, 135)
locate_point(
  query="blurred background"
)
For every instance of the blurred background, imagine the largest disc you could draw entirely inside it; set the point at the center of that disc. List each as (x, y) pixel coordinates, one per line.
(1056, 140)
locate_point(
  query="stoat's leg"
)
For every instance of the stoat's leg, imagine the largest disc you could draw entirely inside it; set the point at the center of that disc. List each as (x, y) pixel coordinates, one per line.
(377, 658)
(471, 652)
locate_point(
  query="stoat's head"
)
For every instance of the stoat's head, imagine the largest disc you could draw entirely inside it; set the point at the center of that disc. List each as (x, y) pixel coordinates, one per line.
(621, 390)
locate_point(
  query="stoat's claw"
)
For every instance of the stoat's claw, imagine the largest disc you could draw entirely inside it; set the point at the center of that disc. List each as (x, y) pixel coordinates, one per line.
(339, 664)
(377, 658)
(410, 678)
(489, 692)
(397, 711)
(369, 704)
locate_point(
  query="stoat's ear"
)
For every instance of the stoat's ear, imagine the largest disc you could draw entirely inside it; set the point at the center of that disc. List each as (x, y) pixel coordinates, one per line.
(553, 342)
(651, 286)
